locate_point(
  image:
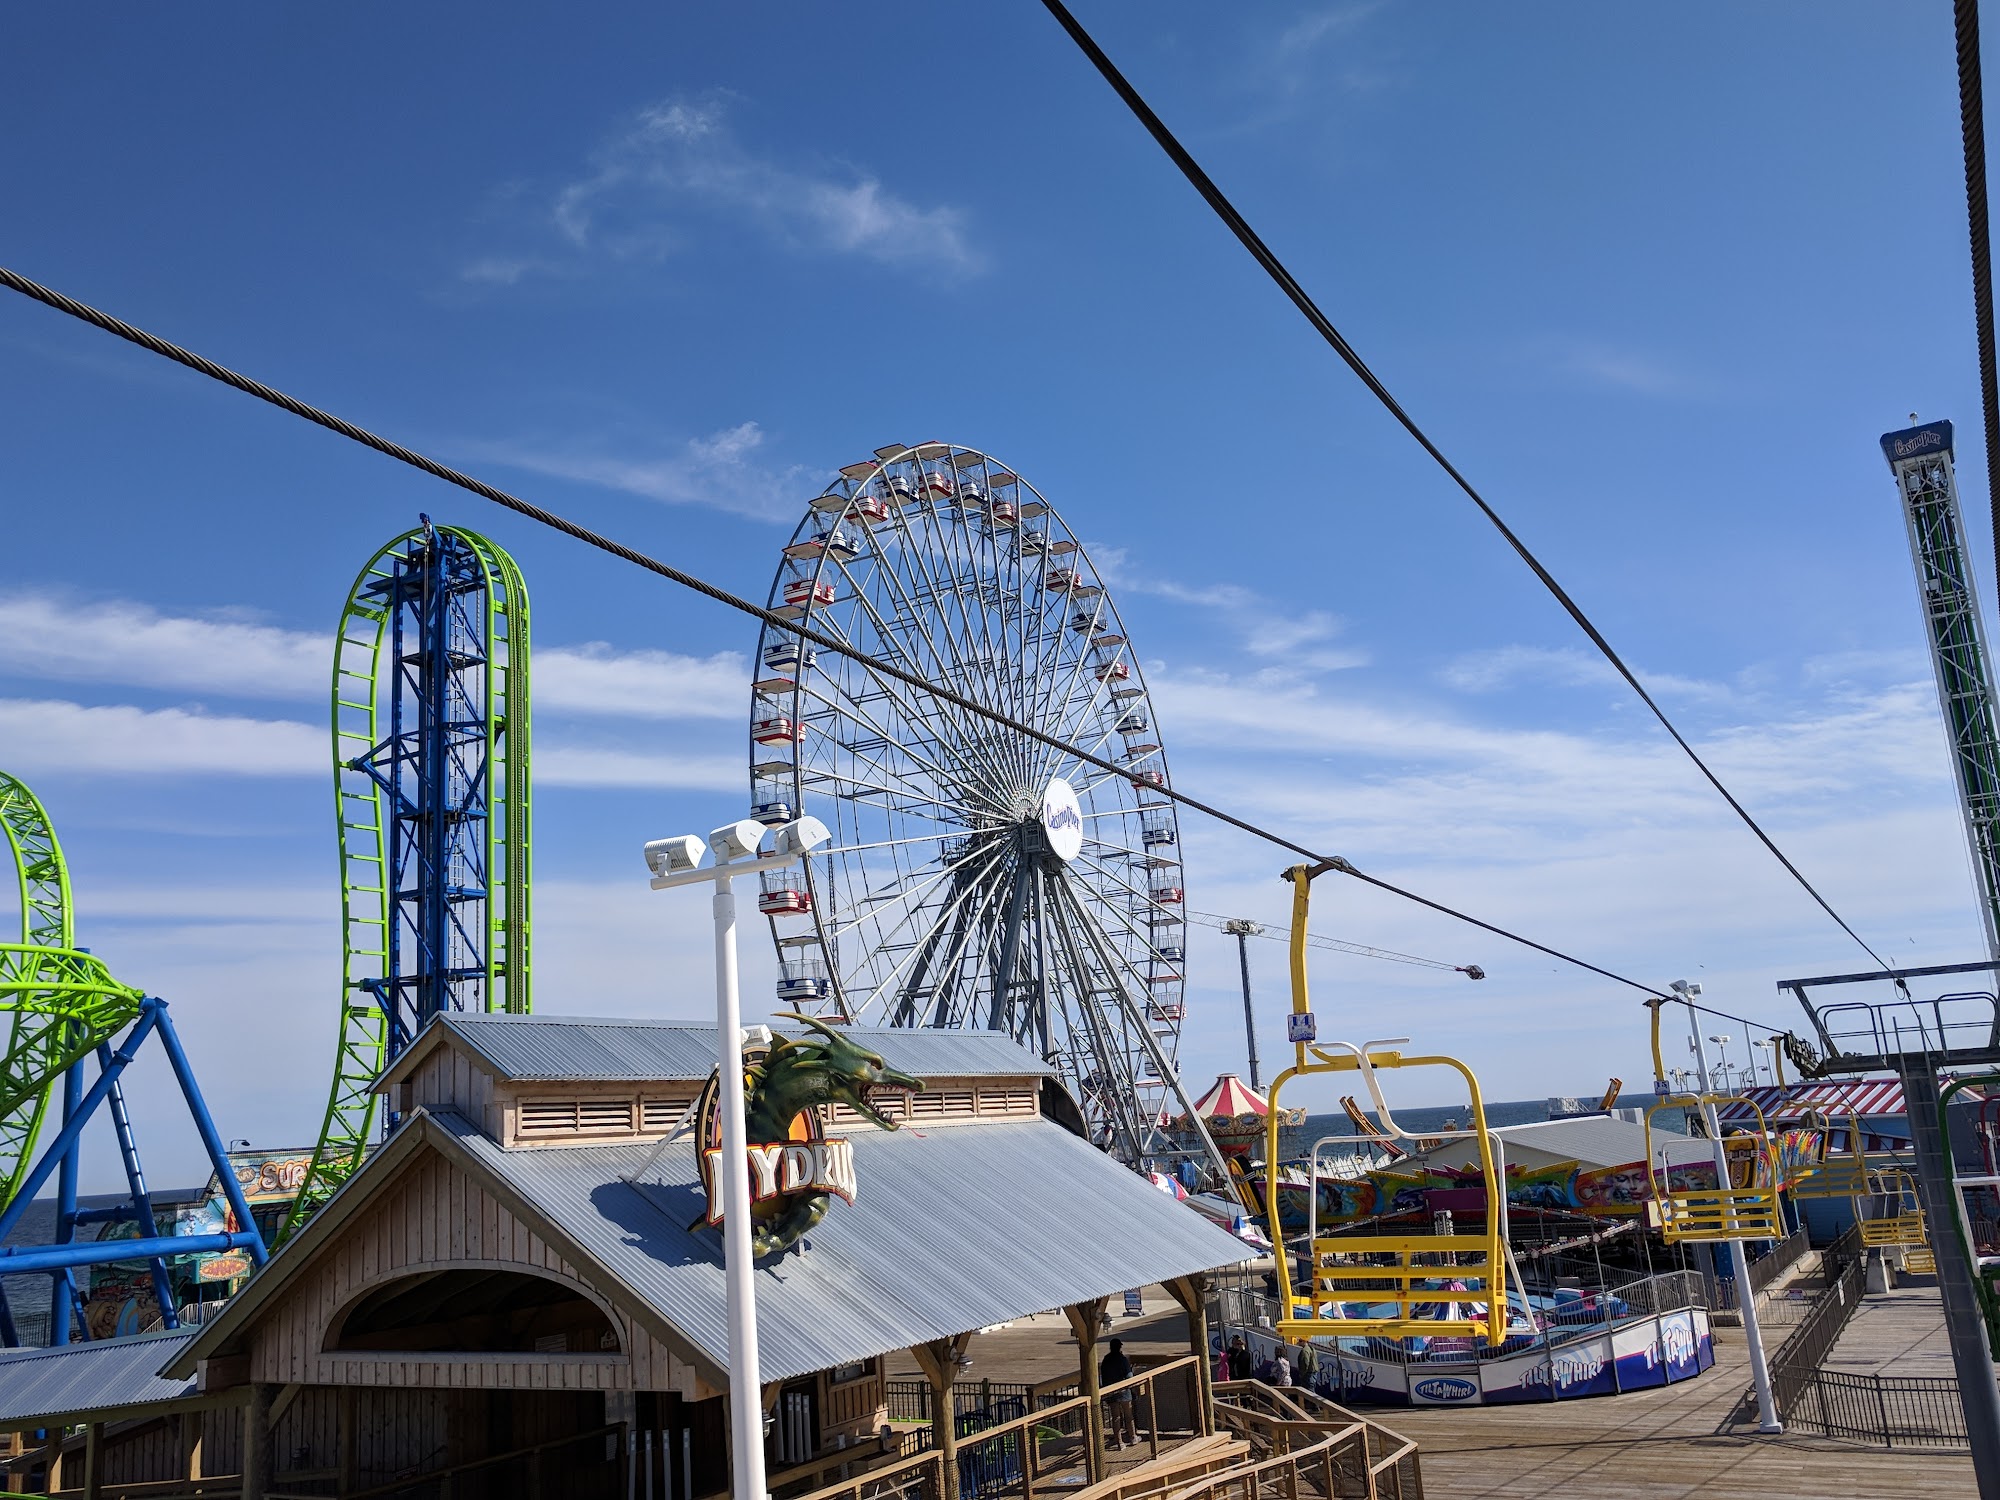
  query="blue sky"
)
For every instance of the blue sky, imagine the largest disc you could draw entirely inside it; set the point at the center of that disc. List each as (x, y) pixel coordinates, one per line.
(1656, 280)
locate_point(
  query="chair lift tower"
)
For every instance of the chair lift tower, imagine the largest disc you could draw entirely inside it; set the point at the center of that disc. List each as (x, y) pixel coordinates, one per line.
(1914, 1035)
(1921, 459)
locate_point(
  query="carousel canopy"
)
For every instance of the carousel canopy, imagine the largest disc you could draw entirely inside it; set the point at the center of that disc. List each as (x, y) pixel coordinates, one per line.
(1230, 1097)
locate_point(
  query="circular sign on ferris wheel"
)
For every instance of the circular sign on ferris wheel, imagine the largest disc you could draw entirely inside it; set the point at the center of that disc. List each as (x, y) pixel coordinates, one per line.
(1062, 820)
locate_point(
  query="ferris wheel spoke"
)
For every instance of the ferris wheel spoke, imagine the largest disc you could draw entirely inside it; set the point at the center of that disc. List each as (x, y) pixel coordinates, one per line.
(1065, 697)
(817, 774)
(940, 775)
(892, 690)
(880, 906)
(1103, 1054)
(951, 980)
(884, 989)
(941, 597)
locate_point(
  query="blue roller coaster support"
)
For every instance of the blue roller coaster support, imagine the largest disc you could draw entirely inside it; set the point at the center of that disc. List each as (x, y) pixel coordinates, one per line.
(60, 1158)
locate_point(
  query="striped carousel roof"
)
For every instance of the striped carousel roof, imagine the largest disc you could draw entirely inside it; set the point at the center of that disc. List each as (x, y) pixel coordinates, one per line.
(1229, 1097)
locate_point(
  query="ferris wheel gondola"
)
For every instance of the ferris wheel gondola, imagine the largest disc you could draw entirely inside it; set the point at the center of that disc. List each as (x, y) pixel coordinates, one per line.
(977, 877)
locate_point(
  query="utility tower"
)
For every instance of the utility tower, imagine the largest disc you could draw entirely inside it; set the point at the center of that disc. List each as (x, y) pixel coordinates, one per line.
(1921, 459)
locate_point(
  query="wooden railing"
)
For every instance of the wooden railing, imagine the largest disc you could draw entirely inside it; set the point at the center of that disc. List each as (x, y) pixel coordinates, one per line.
(1048, 1449)
(1307, 1446)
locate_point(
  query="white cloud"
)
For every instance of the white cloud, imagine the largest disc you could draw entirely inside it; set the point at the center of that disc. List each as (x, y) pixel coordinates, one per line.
(42, 736)
(723, 470)
(133, 645)
(1624, 369)
(677, 162)
(48, 735)
(1264, 628)
(1506, 666)
(44, 635)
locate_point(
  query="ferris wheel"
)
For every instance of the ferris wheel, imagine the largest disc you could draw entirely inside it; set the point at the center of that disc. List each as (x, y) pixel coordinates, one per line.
(976, 878)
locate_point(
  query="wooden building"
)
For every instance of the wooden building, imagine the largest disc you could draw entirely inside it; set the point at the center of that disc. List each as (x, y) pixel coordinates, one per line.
(523, 1274)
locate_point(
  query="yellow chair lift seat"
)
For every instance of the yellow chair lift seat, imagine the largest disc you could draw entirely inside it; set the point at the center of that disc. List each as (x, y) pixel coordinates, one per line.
(1920, 1261)
(1905, 1226)
(1385, 1267)
(1837, 1174)
(1727, 1211)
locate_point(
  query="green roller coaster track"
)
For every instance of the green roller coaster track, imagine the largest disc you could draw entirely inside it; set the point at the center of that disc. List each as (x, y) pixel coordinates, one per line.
(369, 895)
(60, 1003)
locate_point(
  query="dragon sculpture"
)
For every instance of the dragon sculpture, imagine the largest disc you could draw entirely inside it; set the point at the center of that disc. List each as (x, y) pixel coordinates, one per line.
(800, 1074)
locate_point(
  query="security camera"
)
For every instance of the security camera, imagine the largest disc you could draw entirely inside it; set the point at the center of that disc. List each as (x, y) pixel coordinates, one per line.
(800, 836)
(736, 840)
(671, 856)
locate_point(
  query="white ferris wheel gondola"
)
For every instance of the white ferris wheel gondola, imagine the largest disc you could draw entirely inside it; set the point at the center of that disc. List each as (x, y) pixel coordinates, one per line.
(977, 877)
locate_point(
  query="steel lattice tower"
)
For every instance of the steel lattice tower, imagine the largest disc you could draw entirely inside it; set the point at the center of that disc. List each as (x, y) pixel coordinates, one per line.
(1921, 459)
(430, 737)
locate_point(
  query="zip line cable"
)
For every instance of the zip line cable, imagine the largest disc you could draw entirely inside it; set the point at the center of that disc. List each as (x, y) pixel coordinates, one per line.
(48, 297)
(1264, 256)
(1279, 934)
(1972, 130)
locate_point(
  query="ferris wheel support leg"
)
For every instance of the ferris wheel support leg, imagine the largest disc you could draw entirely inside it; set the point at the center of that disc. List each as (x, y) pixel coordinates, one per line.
(62, 1283)
(1010, 945)
(135, 1182)
(10, 1336)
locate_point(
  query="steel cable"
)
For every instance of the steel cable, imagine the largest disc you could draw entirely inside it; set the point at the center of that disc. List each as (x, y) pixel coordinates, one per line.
(49, 297)
(1262, 253)
(1972, 130)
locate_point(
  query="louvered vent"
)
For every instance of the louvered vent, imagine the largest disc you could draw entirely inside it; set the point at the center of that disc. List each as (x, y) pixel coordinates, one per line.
(600, 1115)
(548, 1116)
(945, 1104)
(662, 1114)
(1006, 1101)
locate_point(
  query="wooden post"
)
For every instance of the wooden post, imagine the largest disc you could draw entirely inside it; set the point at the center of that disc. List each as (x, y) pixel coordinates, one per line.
(93, 1461)
(1192, 1294)
(52, 1460)
(347, 1472)
(1086, 1321)
(939, 1361)
(189, 1423)
(257, 1442)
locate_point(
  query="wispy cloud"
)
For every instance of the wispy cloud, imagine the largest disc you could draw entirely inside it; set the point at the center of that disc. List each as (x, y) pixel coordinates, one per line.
(676, 167)
(123, 642)
(1605, 365)
(1263, 627)
(726, 471)
(44, 736)
(1509, 666)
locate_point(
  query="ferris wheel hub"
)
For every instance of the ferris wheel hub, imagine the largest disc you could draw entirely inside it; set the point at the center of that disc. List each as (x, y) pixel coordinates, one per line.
(1062, 820)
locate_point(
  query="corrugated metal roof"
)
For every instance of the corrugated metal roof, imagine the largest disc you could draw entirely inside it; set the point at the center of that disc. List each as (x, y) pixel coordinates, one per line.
(1593, 1141)
(550, 1048)
(48, 1383)
(954, 1229)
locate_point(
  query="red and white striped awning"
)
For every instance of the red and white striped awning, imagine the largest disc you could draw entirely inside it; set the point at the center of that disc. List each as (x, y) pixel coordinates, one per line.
(1870, 1098)
(1229, 1098)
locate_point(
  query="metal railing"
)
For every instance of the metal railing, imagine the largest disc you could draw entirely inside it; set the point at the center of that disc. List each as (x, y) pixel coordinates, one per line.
(1908, 1411)
(1304, 1445)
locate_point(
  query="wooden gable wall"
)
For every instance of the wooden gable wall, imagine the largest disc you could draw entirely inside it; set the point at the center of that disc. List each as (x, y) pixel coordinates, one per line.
(433, 1218)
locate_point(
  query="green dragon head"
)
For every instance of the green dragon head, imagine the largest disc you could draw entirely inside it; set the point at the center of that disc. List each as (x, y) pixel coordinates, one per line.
(837, 1070)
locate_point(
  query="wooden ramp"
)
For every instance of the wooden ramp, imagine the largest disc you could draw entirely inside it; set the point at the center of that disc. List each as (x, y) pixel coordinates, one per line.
(1671, 1444)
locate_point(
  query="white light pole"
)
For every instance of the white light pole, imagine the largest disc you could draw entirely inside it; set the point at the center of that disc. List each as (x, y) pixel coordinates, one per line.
(1739, 1258)
(676, 862)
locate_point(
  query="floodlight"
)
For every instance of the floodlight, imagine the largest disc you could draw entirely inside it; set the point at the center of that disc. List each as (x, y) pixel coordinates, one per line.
(801, 836)
(737, 840)
(671, 856)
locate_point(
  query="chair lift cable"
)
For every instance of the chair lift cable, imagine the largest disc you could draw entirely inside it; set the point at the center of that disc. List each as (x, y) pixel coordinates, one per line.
(1262, 253)
(49, 297)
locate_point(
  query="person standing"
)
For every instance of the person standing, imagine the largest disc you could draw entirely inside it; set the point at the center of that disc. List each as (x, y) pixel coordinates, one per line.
(1118, 1417)
(1239, 1359)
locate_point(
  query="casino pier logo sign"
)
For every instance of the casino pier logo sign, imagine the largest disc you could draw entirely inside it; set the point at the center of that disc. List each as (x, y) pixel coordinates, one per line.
(796, 1170)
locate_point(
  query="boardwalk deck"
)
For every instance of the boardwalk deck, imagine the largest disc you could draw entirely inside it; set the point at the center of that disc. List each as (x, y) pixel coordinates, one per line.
(1659, 1445)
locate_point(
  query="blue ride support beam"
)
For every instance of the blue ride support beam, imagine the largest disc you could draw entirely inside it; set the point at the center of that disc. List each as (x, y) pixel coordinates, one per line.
(135, 1182)
(92, 1252)
(62, 1285)
(210, 1137)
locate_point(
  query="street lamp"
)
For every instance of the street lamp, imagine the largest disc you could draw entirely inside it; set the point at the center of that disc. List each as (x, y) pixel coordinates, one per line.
(675, 862)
